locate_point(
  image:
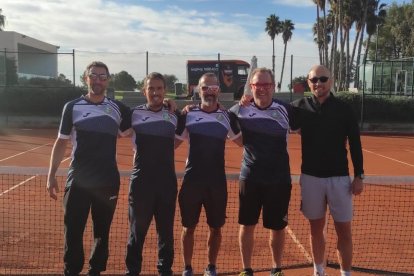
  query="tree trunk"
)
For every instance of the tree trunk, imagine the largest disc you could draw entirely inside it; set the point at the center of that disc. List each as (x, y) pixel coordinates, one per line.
(325, 42)
(283, 65)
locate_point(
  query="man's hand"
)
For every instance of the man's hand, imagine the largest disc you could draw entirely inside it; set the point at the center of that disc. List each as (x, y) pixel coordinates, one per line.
(245, 100)
(357, 186)
(188, 108)
(171, 104)
(52, 187)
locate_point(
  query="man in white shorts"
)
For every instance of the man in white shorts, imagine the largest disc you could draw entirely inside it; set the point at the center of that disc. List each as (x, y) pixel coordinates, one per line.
(326, 124)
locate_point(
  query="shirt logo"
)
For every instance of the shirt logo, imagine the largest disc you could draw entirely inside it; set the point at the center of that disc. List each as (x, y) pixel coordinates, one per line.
(220, 117)
(113, 197)
(198, 119)
(275, 115)
(252, 114)
(108, 110)
(166, 116)
(144, 119)
(86, 114)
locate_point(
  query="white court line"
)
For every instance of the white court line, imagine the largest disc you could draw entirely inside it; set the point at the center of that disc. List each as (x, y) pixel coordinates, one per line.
(16, 186)
(4, 159)
(396, 160)
(410, 151)
(64, 160)
(299, 244)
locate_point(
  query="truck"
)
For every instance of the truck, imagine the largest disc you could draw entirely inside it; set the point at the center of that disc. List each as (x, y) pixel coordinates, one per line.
(232, 75)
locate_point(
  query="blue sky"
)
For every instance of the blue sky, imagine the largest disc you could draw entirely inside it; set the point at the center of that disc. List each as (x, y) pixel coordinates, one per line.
(120, 32)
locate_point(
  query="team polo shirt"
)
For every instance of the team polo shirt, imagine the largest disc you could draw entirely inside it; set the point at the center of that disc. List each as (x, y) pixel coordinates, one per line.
(265, 156)
(93, 129)
(207, 133)
(325, 129)
(153, 139)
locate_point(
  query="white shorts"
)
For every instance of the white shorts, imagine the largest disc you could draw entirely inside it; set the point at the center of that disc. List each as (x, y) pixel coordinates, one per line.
(318, 192)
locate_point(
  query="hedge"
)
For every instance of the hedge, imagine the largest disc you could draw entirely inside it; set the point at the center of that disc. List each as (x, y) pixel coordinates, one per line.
(36, 101)
(39, 101)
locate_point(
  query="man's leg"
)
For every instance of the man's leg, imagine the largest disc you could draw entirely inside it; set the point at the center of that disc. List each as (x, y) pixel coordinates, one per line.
(140, 215)
(164, 218)
(317, 241)
(187, 245)
(76, 204)
(246, 242)
(102, 211)
(277, 244)
(344, 245)
(213, 244)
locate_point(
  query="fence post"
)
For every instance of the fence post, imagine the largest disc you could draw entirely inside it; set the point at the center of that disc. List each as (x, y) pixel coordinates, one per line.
(146, 63)
(291, 80)
(363, 95)
(73, 67)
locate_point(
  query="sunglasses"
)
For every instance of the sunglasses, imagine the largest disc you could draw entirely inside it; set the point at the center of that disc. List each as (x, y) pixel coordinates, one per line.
(316, 79)
(262, 85)
(102, 77)
(212, 88)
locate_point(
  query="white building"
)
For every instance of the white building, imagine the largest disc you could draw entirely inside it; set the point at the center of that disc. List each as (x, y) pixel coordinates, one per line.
(34, 58)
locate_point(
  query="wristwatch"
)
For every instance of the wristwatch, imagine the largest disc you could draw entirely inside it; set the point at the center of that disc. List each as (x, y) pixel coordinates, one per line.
(360, 176)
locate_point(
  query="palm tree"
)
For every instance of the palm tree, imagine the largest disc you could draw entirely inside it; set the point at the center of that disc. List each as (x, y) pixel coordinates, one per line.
(287, 27)
(375, 17)
(321, 31)
(273, 29)
(2, 20)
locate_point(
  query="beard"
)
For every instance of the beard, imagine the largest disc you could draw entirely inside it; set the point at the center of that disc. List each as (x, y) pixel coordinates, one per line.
(97, 89)
(210, 100)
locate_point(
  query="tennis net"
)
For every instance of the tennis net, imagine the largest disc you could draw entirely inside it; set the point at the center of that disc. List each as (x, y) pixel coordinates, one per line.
(31, 230)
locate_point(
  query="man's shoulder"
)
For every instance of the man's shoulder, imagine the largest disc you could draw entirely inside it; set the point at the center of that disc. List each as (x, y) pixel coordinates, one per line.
(73, 102)
(234, 109)
(301, 101)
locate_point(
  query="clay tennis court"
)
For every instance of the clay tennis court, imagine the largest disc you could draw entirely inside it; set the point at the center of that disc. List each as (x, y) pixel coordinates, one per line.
(31, 234)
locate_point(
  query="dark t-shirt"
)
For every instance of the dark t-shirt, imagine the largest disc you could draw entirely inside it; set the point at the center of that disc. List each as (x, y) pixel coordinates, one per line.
(153, 139)
(93, 130)
(265, 156)
(207, 134)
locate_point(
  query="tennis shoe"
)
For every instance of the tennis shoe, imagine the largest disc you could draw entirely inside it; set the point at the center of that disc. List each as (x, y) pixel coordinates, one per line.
(188, 272)
(279, 273)
(210, 271)
(246, 273)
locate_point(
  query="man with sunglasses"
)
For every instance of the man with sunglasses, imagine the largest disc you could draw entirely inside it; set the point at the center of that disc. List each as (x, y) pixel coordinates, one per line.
(92, 122)
(326, 124)
(265, 181)
(206, 126)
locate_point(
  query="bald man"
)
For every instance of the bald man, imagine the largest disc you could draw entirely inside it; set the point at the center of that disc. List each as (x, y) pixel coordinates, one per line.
(326, 124)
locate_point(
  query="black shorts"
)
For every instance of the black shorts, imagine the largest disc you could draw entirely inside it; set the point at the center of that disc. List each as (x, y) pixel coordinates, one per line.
(213, 196)
(273, 197)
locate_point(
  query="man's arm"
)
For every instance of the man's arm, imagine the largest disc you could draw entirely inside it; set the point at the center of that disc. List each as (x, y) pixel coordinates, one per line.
(355, 148)
(58, 152)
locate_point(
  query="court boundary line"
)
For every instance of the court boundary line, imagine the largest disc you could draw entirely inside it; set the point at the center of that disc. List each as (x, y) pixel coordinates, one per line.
(12, 156)
(18, 185)
(390, 158)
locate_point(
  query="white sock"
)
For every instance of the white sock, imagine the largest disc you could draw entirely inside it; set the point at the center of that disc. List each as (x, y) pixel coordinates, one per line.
(345, 273)
(319, 268)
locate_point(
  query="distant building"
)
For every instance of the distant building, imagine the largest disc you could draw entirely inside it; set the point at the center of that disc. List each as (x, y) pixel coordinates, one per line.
(34, 58)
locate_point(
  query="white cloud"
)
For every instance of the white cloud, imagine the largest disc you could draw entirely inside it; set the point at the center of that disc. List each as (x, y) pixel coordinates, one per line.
(295, 3)
(121, 34)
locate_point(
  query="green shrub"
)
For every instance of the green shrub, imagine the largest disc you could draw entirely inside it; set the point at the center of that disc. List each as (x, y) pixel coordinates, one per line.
(381, 108)
(36, 100)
